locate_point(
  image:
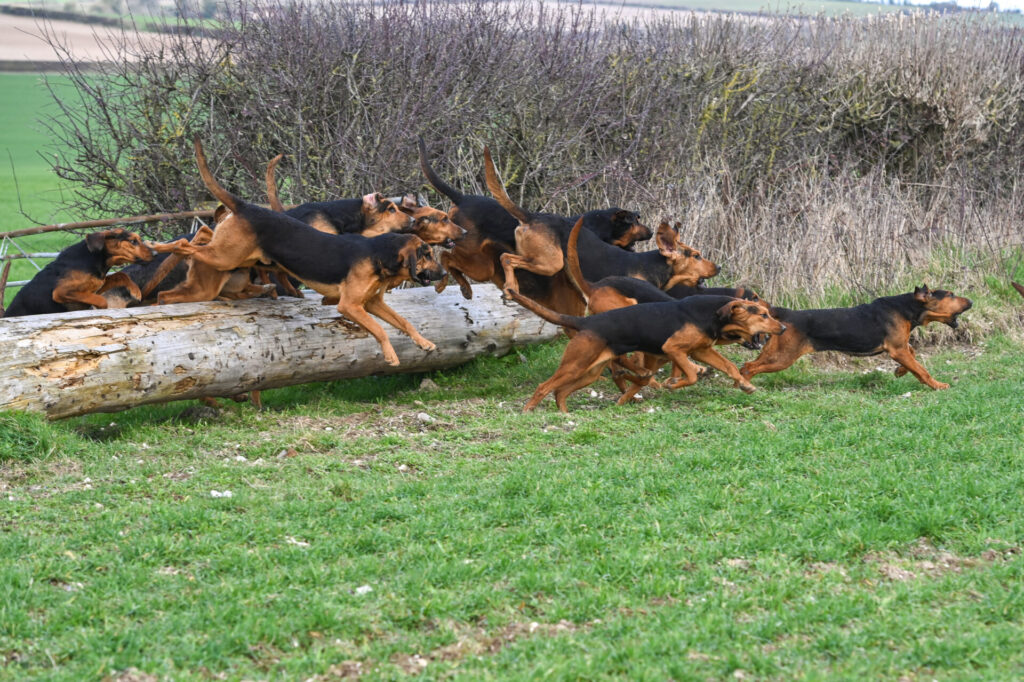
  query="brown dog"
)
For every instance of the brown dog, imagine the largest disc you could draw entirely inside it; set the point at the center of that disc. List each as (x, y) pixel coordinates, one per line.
(882, 326)
(78, 276)
(491, 233)
(348, 270)
(680, 330)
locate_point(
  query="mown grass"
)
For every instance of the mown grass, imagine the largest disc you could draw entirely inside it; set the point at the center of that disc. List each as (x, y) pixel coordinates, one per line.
(836, 524)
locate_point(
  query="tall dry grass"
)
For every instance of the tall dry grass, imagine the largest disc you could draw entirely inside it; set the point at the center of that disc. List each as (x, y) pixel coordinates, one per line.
(807, 155)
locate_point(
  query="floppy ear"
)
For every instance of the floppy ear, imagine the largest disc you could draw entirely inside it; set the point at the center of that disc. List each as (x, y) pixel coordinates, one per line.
(724, 314)
(666, 239)
(96, 241)
(410, 264)
(622, 216)
(371, 200)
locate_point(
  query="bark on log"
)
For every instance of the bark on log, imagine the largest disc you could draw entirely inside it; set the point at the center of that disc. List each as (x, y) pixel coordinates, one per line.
(109, 360)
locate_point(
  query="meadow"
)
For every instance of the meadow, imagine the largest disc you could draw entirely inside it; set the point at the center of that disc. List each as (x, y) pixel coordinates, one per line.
(839, 523)
(27, 183)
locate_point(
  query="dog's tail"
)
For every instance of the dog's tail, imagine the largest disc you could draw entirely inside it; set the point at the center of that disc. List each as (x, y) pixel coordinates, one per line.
(437, 183)
(498, 190)
(546, 313)
(223, 196)
(572, 262)
(1018, 287)
(275, 201)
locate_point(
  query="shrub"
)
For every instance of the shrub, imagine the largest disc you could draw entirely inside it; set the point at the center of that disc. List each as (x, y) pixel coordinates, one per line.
(801, 152)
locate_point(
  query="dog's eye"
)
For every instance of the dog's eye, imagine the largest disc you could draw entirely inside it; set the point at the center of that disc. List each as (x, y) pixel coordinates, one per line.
(697, 256)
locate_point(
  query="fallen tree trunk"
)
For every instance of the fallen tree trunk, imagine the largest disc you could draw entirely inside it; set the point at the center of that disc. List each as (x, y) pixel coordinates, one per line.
(109, 360)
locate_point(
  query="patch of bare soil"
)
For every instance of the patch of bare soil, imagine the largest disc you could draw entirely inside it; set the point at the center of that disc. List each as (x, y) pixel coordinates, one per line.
(923, 559)
(469, 641)
(26, 39)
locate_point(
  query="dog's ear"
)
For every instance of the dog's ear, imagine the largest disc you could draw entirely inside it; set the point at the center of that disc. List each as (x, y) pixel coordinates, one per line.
(407, 210)
(371, 201)
(96, 241)
(666, 240)
(409, 201)
(725, 313)
(410, 264)
(623, 216)
(922, 293)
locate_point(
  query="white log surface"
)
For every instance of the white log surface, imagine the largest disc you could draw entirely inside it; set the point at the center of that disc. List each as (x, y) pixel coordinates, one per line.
(109, 360)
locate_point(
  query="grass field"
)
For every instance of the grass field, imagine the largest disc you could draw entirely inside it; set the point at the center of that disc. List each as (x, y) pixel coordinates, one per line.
(835, 524)
(25, 171)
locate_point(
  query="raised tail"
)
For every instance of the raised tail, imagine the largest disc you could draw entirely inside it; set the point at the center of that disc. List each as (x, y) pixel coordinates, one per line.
(546, 313)
(275, 201)
(223, 196)
(1018, 287)
(572, 262)
(498, 190)
(437, 183)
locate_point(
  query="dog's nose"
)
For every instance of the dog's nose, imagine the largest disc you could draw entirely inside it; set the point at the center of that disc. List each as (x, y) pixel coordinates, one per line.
(969, 304)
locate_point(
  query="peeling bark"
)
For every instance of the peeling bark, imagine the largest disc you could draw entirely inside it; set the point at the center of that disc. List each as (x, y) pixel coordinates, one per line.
(109, 360)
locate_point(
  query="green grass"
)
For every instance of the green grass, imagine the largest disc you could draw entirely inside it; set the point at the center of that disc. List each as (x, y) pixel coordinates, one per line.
(833, 525)
(23, 144)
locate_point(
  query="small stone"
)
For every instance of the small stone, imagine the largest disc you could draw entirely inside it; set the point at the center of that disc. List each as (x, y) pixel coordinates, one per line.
(364, 589)
(424, 417)
(429, 384)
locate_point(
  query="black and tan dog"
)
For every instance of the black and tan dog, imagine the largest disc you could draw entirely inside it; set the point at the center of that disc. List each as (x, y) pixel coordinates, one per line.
(882, 326)
(491, 233)
(688, 266)
(350, 271)
(541, 245)
(679, 330)
(78, 277)
(369, 216)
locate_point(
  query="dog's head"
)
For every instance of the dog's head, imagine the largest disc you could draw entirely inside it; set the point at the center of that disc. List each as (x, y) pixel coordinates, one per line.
(688, 265)
(118, 247)
(627, 228)
(433, 226)
(940, 306)
(381, 215)
(743, 320)
(418, 263)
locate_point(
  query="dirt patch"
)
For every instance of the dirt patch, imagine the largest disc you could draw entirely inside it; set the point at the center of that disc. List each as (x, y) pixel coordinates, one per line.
(923, 559)
(23, 39)
(417, 418)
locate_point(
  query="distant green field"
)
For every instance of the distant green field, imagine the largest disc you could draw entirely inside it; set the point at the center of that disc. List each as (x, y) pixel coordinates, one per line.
(24, 171)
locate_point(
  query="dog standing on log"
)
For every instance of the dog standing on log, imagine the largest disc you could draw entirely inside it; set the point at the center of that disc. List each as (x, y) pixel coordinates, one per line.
(78, 277)
(882, 326)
